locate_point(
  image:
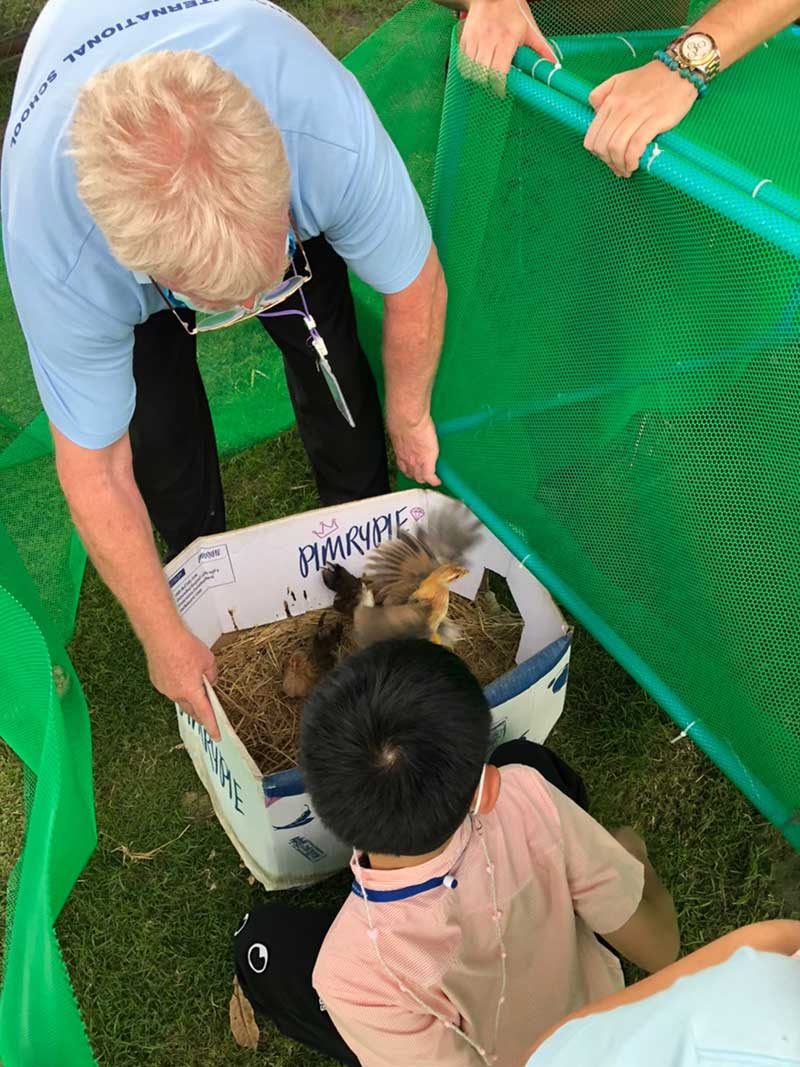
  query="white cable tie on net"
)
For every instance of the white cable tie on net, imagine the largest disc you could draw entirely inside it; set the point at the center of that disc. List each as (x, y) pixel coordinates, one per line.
(628, 43)
(757, 190)
(541, 59)
(556, 48)
(683, 733)
(656, 152)
(552, 72)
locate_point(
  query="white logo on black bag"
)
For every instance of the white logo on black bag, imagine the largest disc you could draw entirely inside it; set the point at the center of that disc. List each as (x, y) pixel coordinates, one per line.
(258, 957)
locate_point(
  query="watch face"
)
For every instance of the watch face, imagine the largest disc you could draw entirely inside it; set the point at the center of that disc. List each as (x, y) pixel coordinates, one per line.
(697, 47)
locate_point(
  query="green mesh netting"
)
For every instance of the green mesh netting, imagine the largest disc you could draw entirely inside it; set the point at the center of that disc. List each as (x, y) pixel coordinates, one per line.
(618, 395)
(616, 400)
(46, 722)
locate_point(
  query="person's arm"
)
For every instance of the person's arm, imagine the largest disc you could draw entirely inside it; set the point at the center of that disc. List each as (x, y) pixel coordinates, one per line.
(781, 936)
(413, 328)
(650, 937)
(111, 518)
(636, 106)
(495, 29)
(614, 888)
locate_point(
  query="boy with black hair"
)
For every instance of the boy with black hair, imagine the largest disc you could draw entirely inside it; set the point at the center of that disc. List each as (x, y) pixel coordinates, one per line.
(478, 889)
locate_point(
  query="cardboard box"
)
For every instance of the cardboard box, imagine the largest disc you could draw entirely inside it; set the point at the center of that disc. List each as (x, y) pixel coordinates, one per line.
(254, 576)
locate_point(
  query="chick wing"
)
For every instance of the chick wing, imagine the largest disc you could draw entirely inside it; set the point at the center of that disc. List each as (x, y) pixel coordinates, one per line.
(373, 623)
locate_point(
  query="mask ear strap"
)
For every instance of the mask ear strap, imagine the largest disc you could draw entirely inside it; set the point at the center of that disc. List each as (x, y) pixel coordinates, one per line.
(476, 807)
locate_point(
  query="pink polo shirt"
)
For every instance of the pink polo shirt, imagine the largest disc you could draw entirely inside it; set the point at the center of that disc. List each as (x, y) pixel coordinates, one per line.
(559, 876)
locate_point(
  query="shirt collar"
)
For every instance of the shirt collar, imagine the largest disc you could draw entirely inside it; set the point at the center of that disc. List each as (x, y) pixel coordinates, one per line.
(405, 877)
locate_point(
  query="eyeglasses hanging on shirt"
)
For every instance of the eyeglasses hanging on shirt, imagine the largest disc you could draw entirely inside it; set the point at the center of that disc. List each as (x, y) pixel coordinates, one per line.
(293, 282)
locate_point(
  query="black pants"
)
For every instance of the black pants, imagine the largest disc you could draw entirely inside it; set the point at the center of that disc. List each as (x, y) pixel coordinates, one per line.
(175, 458)
(276, 947)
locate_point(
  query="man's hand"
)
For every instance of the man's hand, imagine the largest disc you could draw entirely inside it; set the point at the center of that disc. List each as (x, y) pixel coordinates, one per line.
(416, 448)
(632, 109)
(177, 663)
(495, 29)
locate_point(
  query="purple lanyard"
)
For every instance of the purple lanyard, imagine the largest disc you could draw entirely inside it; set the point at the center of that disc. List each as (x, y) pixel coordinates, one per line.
(316, 337)
(321, 350)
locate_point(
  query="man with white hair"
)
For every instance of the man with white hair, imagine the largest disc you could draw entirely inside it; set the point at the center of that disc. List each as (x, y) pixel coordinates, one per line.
(180, 168)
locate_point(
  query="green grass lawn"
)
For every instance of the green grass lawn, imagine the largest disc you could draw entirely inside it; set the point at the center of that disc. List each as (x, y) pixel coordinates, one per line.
(147, 941)
(17, 16)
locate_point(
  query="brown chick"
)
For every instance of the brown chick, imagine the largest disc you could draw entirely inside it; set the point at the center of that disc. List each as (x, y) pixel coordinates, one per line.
(299, 677)
(325, 645)
(408, 592)
(304, 670)
(345, 587)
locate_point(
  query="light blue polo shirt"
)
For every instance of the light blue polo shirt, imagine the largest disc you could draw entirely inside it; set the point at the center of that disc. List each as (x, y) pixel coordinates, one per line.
(743, 1013)
(77, 305)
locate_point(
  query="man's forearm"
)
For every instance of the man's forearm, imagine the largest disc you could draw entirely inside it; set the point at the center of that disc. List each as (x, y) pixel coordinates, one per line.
(413, 329)
(738, 26)
(111, 518)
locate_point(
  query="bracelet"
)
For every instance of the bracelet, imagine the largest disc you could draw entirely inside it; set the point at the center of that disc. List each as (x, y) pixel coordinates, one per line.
(697, 80)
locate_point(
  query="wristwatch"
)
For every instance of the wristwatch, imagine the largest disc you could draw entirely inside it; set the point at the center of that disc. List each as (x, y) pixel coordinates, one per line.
(696, 53)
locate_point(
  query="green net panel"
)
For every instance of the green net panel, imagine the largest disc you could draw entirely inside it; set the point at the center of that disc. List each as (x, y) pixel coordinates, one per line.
(618, 394)
(44, 720)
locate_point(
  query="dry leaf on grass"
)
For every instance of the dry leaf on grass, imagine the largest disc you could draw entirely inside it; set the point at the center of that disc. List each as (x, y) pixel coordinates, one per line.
(243, 1022)
(131, 854)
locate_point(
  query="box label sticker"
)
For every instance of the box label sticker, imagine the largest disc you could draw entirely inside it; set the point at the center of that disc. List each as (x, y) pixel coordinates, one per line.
(208, 568)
